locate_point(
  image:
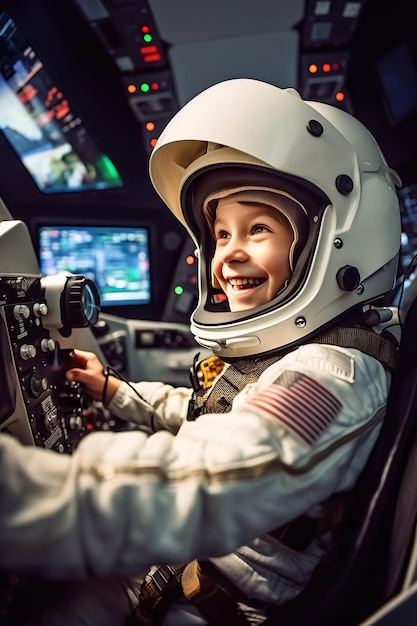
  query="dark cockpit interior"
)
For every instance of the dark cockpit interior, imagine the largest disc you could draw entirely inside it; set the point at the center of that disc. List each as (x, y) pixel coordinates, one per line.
(86, 88)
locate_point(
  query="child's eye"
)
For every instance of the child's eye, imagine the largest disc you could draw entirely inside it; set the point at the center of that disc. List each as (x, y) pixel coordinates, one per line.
(222, 234)
(259, 228)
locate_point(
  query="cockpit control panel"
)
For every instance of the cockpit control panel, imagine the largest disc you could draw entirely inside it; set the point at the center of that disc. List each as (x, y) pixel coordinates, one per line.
(39, 406)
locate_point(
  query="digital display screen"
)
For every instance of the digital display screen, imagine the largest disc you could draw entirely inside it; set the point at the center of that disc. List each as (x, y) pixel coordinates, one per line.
(116, 259)
(397, 74)
(41, 126)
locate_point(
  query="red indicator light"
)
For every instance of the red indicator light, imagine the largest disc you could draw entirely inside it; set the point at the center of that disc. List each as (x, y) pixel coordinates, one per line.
(340, 96)
(313, 68)
(145, 29)
(151, 58)
(326, 67)
(148, 49)
(153, 142)
(190, 260)
(131, 88)
(150, 53)
(150, 126)
(155, 86)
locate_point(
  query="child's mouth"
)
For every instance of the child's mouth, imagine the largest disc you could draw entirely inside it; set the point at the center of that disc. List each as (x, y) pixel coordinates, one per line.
(239, 284)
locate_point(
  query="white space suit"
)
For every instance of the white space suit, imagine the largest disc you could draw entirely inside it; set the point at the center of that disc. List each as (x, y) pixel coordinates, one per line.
(203, 488)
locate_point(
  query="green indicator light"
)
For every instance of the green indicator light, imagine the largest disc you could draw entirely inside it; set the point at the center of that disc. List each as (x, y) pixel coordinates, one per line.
(147, 38)
(144, 87)
(179, 290)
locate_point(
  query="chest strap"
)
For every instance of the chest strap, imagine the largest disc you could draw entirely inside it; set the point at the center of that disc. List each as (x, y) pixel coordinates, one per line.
(368, 341)
(218, 395)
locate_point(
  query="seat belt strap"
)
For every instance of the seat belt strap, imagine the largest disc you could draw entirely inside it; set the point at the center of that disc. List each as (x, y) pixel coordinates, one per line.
(160, 588)
(214, 604)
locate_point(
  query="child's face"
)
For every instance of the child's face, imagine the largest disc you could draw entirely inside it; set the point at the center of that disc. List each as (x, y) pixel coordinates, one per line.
(252, 250)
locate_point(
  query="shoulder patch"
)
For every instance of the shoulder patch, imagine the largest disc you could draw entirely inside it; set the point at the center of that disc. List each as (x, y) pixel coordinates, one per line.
(331, 360)
(302, 405)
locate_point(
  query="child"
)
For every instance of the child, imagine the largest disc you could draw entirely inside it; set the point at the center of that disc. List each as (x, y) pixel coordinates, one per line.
(296, 221)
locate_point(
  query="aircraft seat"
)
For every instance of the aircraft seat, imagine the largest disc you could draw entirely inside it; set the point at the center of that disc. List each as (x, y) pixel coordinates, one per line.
(375, 561)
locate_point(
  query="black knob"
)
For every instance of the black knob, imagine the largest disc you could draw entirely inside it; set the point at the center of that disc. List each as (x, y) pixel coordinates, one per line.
(38, 384)
(348, 278)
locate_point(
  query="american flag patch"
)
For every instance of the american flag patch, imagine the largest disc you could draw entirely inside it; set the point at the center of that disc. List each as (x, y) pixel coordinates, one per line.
(301, 404)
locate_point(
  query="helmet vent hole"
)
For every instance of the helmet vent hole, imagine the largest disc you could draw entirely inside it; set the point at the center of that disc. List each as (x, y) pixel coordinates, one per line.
(315, 128)
(344, 184)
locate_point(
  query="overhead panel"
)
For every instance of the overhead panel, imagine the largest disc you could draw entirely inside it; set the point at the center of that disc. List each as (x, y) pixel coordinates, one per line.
(323, 77)
(128, 31)
(326, 34)
(209, 42)
(271, 57)
(187, 21)
(330, 22)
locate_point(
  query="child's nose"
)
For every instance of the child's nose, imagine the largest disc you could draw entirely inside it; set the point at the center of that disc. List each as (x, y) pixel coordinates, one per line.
(234, 251)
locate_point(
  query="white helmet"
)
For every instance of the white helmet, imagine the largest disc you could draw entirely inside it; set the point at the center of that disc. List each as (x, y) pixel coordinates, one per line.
(246, 134)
